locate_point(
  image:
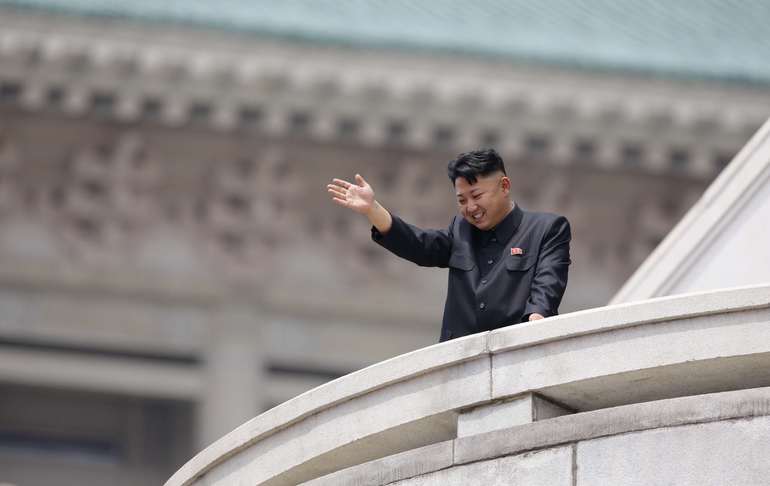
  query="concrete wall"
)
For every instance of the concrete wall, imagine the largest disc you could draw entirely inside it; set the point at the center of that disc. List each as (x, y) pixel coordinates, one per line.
(618, 395)
(698, 453)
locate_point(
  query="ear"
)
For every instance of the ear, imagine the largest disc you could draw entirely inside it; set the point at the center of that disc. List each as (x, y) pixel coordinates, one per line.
(505, 183)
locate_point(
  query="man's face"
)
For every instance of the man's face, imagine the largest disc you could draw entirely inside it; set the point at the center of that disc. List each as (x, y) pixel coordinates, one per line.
(485, 203)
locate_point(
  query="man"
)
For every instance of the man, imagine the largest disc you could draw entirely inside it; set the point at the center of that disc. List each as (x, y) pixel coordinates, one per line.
(506, 265)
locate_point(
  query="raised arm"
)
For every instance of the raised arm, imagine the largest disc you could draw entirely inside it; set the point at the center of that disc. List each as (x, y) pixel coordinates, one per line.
(428, 248)
(360, 198)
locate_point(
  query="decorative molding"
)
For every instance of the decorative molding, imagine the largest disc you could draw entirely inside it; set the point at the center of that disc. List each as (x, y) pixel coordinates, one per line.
(237, 100)
(139, 72)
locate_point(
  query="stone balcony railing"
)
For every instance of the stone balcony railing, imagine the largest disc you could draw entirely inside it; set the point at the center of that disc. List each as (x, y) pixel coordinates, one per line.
(666, 390)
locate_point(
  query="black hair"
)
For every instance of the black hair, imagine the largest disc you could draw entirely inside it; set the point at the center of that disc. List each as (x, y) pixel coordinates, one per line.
(470, 165)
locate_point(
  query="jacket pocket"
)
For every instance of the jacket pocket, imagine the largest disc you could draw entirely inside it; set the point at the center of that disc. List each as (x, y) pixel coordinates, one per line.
(461, 261)
(519, 263)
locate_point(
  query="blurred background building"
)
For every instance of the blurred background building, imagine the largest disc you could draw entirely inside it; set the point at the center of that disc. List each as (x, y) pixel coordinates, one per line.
(170, 264)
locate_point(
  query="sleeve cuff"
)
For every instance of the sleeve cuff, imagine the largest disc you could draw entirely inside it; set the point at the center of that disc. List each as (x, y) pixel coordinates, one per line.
(383, 238)
(377, 235)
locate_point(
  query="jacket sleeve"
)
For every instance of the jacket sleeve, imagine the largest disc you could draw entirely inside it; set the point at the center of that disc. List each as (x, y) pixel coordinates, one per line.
(427, 248)
(550, 279)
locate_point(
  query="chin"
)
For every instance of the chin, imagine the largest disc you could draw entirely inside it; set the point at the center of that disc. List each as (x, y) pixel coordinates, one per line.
(482, 225)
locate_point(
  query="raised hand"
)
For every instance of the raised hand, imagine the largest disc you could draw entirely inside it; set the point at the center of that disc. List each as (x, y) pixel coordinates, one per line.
(359, 197)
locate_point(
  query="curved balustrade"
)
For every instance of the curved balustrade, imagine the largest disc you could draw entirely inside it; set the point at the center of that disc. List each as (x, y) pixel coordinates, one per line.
(572, 398)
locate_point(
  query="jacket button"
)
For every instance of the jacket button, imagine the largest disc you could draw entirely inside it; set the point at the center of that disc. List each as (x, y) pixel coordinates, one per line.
(490, 262)
(484, 281)
(482, 306)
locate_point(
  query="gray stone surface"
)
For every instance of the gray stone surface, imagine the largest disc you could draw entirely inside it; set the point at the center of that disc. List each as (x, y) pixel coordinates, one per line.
(232, 367)
(624, 315)
(392, 468)
(500, 415)
(552, 467)
(614, 421)
(680, 356)
(353, 394)
(732, 452)
(543, 409)
(677, 347)
(107, 320)
(722, 241)
(392, 419)
(63, 369)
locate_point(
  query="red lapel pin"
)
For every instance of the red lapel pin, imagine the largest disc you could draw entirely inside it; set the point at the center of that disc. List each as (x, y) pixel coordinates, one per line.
(517, 251)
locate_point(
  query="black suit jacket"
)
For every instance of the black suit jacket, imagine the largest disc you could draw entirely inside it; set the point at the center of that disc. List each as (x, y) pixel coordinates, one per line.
(521, 283)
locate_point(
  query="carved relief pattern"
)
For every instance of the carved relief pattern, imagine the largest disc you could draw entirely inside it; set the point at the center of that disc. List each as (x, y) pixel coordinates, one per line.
(9, 167)
(106, 196)
(259, 214)
(248, 212)
(103, 199)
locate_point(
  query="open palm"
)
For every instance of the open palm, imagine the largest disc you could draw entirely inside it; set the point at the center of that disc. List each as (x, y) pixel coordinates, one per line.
(359, 197)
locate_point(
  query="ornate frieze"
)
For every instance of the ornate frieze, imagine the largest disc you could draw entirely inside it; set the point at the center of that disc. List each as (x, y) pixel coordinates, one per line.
(135, 73)
(158, 136)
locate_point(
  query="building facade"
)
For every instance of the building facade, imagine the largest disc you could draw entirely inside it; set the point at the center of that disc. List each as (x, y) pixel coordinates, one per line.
(170, 264)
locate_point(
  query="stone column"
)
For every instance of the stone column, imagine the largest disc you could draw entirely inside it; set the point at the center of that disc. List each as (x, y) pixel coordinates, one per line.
(232, 372)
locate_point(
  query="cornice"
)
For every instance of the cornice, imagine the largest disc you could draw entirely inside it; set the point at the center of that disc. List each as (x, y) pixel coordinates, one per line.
(181, 76)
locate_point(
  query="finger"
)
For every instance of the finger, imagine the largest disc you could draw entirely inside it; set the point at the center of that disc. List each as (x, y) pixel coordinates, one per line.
(361, 181)
(341, 202)
(340, 182)
(334, 191)
(336, 188)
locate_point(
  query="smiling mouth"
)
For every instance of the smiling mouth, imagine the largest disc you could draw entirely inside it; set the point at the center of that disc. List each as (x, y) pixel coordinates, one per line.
(477, 216)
